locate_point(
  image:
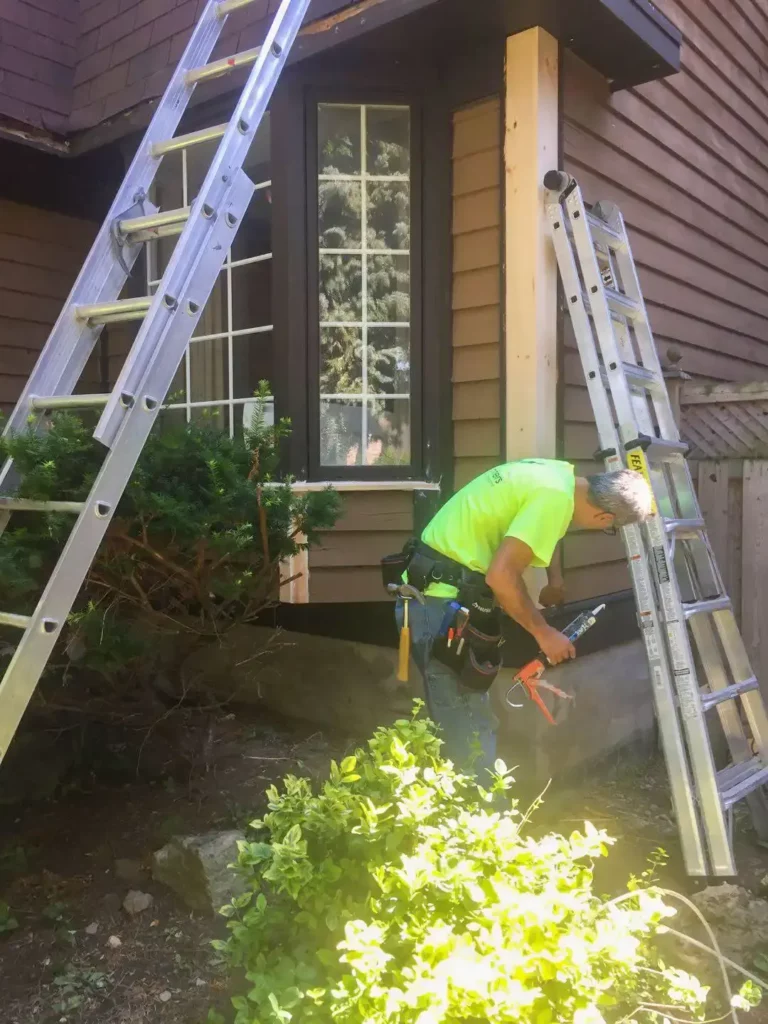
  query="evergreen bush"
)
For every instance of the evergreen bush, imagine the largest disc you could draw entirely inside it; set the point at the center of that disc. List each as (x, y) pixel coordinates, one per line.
(194, 548)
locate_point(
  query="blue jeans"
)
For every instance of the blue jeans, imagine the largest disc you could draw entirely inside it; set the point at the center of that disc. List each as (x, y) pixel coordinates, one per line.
(467, 724)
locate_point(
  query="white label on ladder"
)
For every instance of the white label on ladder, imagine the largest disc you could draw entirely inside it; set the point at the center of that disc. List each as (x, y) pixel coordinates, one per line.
(642, 590)
(677, 647)
(686, 693)
(649, 637)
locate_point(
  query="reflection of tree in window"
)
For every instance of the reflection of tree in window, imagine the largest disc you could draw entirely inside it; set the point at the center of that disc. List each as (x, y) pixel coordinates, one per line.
(364, 284)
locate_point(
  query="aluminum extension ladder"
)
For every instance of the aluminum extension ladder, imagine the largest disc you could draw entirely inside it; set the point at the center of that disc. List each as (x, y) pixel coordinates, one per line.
(695, 652)
(206, 229)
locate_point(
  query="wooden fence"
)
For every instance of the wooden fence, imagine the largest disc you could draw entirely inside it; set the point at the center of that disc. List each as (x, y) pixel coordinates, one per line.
(726, 427)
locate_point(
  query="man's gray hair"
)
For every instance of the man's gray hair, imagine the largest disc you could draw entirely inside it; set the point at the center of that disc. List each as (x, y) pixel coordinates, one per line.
(625, 494)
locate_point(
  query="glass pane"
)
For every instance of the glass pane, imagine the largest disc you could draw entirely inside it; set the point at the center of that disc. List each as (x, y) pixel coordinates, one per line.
(208, 370)
(199, 159)
(167, 194)
(389, 215)
(251, 363)
(213, 415)
(389, 360)
(246, 415)
(338, 139)
(213, 319)
(389, 289)
(178, 390)
(340, 215)
(254, 236)
(341, 431)
(341, 361)
(341, 288)
(171, 419)
(389, 433)
(389, 140)
(251, 285)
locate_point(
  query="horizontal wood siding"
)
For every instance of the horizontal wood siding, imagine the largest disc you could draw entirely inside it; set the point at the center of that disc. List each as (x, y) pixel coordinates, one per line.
(686, 160)
(345, 565)
(40, 255)
(476, 297)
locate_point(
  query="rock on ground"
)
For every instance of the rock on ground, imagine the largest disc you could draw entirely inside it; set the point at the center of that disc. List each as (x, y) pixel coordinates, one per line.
(738, 918)
(196, 869)
(137, 902)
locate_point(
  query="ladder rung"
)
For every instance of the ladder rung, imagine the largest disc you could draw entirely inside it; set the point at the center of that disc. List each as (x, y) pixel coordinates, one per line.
(17, 621)
(28, 505)
(604, 234)
(681, 527)
(711, 700)
(716, 604)
(223, 67)
(157, 225)
(115, 312)
(216, 131)
(228, 6)
(641, 377)
(739, 780)
(68, 402)
(657, 447)
(621, 304)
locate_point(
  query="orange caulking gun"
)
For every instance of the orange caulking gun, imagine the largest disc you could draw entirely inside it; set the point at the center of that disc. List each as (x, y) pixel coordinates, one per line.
(529, 676)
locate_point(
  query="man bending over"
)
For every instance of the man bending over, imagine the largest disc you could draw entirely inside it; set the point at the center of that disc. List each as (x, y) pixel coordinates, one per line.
(480, 543)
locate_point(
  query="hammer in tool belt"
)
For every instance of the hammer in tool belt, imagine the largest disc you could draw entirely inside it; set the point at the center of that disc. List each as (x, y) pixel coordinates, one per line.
(530, 675)
(406, 593)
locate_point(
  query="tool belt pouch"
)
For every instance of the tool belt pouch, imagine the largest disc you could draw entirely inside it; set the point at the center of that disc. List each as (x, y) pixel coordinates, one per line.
(393, 567)
(482, 661)
(475, 661)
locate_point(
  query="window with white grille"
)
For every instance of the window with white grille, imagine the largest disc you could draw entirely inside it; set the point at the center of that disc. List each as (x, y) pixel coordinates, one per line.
(364, 284)
(231, 350)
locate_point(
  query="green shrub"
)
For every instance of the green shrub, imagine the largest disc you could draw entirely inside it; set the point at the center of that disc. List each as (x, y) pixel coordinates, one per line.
(400, 892)
(194, 548)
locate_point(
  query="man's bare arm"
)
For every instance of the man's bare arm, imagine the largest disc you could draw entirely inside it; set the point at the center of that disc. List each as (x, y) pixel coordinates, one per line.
(554, 592)
(505, 578)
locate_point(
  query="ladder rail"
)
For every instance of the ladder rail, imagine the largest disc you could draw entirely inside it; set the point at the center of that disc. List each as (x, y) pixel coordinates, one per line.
(105, 272)
(46, 622)
(681, 655)
(169, 320)
(228, 159)
(648, 620)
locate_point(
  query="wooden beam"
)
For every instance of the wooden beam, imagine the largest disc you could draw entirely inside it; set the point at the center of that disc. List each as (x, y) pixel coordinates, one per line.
(530, 329)
(711, 394)
(531, 148)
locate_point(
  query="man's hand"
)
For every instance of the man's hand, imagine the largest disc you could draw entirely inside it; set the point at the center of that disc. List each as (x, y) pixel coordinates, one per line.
(554, 646)
(552, 594)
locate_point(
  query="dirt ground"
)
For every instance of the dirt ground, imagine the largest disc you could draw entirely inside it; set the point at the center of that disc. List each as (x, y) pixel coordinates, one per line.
(61, 963)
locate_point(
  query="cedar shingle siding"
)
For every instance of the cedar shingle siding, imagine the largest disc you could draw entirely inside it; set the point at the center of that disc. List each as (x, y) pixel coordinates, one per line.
(67, 65)
(38, 40)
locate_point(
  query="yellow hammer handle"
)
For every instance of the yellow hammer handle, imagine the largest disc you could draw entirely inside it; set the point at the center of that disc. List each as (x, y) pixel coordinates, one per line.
(404, 654)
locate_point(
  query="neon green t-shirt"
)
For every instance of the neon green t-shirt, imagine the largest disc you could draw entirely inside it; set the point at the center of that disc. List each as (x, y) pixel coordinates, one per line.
(531, 500)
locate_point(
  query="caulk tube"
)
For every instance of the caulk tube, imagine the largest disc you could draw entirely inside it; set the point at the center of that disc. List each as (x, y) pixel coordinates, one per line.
(580, 625)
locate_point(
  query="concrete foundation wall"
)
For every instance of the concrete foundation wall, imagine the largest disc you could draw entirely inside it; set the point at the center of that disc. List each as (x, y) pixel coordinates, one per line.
(611, 713)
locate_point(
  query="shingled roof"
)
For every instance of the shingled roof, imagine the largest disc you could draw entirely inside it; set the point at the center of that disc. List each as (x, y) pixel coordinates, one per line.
(69, 65)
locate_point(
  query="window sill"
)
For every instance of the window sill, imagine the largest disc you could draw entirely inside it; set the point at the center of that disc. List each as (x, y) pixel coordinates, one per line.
(362, 485)
(295, 570)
